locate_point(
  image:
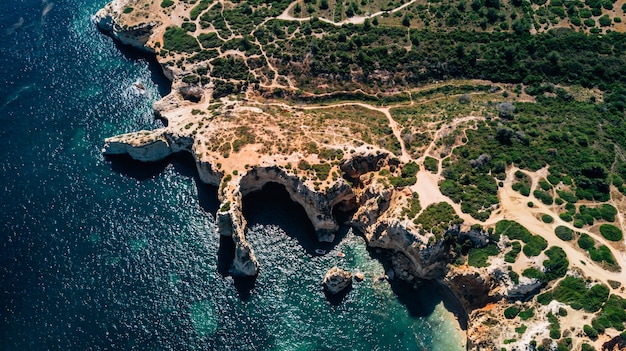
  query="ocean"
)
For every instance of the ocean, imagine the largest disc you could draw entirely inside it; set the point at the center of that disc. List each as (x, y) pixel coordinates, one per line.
(99, 254)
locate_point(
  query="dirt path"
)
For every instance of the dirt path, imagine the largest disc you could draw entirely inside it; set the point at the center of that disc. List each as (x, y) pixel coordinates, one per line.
(286, 16)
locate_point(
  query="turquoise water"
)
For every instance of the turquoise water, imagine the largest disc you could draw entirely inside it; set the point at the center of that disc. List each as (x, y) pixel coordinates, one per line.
(98, 255)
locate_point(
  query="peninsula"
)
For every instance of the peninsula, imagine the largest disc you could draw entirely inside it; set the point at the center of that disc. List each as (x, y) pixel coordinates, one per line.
(478, 144)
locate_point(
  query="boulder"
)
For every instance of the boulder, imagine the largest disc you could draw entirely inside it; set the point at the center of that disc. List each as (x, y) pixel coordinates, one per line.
(336, 280)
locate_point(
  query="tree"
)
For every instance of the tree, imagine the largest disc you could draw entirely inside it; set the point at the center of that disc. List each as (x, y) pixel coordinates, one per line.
(406, 21)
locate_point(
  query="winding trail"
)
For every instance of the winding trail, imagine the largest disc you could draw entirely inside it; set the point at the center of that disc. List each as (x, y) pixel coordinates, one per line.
(286, 16)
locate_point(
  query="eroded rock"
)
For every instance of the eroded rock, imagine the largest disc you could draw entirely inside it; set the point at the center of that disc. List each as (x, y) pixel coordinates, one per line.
(336, 280)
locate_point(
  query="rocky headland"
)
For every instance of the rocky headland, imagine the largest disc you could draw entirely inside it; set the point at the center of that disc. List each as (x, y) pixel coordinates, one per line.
(351, 157)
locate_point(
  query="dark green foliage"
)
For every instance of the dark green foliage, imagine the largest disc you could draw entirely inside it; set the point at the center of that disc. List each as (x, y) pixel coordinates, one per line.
(564, 233)
(197, 10)
(608, 212)
(557, 264)
(585, 241)
(613, 315)
(611, 232)
(565, 216)
(555, 327)
(223, 89)
(546, 218)
(602, 254)
(431, 164)
(545, 298)
(210, 40)
(230, 68)
(567, 196)
(511, 312)
(605, 21)
(534, 246)
(177, 39)
(437, 218)
(574, 292)
(128, 9)
(511, 255)
(587, 347)
(513, 230)
(414, 207)
(407, 176)
(544, 185)
(514, 277)
(590, 331)
(544, 196)
(189, 26)
(533, 273)
(167, 3)
(527, 314)
(477, 257)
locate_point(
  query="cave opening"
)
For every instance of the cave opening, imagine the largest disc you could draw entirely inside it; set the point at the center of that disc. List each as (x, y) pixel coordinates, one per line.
(272, 205)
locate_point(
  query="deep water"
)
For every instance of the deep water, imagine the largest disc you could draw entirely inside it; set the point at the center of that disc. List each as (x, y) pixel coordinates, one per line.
(113, 255)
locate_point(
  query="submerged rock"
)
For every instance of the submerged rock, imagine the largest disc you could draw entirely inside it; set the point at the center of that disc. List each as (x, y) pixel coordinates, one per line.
(336, 280)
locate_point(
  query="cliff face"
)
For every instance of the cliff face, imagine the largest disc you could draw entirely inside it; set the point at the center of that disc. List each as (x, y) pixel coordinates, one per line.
(136, 36)
(413, 257)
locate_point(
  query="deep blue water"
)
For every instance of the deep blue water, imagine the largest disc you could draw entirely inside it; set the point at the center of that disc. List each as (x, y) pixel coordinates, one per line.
(99, 255)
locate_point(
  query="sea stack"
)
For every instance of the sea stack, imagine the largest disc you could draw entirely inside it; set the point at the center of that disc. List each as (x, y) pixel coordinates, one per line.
(336, 280)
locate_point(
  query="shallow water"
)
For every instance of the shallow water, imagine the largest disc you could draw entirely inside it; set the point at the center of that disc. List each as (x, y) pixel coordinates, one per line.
(97, 254)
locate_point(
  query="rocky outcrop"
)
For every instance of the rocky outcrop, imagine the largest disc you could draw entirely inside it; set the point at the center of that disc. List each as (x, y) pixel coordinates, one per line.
(336, 280)
(230, 222)
(412, 255)
(147, 146)
(136, 36)
(475, 290)
(362, 164)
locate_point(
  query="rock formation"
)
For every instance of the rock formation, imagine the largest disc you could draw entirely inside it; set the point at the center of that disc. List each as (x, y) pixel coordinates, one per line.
(337, 280)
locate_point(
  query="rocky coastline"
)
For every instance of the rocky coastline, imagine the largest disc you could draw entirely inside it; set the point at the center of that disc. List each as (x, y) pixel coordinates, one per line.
(240, 145)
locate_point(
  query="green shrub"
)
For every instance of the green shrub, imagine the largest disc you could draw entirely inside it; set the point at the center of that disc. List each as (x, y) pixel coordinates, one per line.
(611, 232)
(514, 277)
(477, 257)
(608, 212)
(527, 314)
(579, 223)
(511, 312)
(565, 216)
(546, 218)
(431, 164)
(545, 298)
(557, 264)
(437, 218)
(534, 246)
(564, 233)
(533, 273)
(544, 196)
(177, 39)
(167, 3)
(574, 292)
(128, 9)
(613, 315)
(590, 331)
(587, 347)
(511, 255)
(513, 230)
(585, 241)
